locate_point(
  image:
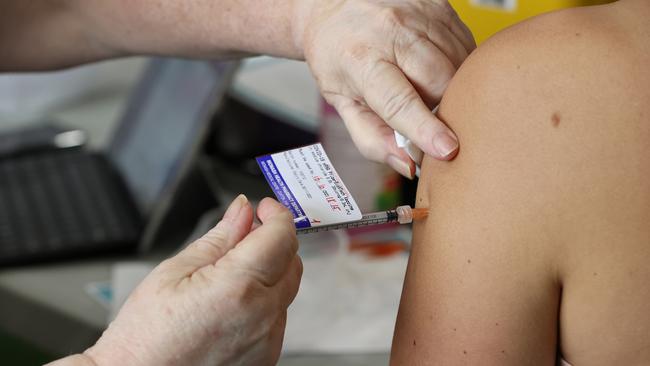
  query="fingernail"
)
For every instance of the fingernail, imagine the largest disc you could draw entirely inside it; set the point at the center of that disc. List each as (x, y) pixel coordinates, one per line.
(399, 165)
(235, 207)
(446, 144)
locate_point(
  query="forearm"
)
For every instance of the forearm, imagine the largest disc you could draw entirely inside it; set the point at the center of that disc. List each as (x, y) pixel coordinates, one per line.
(59, 33)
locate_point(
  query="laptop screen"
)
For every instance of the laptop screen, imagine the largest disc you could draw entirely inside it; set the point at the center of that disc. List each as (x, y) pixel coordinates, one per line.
(164, 123)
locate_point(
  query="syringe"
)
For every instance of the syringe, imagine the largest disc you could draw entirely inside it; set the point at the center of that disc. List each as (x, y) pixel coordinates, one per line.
(402, 215)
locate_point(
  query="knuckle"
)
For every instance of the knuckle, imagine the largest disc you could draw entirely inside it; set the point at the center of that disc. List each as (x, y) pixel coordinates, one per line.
(284, 229)
(444, 74)
(435, 30)
(410, 42)
(245, 283)
(259, 277)
(370, 71)
(392, 17)
(245, 291)
(213, 240)
(450, 11)
(424, 130)
(357, 51)
(215, 236)
(447, 15)
(286, 215)
(398, 103)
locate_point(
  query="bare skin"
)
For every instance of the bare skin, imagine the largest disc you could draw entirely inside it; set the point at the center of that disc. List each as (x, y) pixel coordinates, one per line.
(221, 301)
(371, 58)
(538, 239)
(38, 35)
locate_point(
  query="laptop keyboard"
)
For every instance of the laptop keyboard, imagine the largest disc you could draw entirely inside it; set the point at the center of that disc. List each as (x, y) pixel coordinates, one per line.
(62, 203)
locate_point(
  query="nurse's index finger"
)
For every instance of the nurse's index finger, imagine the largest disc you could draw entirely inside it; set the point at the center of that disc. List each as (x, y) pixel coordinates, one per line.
(392, 96)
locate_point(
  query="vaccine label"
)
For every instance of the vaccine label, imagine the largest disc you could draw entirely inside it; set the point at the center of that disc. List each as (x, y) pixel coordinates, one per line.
(305, 181)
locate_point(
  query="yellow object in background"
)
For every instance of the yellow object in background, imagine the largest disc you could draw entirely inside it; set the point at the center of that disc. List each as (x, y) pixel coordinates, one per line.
(486, 17)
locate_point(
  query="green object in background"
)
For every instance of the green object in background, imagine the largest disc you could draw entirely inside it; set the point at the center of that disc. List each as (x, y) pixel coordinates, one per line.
(390, 195)
(17, 352)
(388, 200)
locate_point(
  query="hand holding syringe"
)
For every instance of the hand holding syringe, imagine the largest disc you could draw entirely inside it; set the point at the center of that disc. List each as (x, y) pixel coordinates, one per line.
(402, 215)
(305, 181)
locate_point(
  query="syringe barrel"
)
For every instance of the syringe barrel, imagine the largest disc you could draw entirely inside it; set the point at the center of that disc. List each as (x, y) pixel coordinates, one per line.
(402, 214)
(374, 218)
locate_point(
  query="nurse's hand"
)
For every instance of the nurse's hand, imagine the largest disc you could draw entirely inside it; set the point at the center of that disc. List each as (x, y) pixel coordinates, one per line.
(384, 64)
(221, 301)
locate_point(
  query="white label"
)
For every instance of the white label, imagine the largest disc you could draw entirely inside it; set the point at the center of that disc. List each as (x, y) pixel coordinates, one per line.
(305, 181)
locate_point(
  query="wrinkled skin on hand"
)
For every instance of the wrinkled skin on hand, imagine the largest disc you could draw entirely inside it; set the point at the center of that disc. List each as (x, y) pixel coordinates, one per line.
(384, 65)
(221, 301)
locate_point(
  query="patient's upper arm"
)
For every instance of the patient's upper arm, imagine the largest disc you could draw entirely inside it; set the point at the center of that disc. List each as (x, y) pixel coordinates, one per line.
(485, 275)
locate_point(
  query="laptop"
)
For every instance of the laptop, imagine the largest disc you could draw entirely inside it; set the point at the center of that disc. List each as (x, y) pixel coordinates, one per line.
(66, 203)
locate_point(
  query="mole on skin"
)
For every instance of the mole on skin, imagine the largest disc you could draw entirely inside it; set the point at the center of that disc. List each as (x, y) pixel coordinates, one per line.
(555, 119)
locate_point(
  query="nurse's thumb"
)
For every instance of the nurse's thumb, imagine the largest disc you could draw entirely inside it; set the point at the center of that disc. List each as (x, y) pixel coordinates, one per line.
(207, 250)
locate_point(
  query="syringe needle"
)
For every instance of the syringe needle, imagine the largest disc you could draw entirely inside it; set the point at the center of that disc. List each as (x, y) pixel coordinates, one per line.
(420, 213)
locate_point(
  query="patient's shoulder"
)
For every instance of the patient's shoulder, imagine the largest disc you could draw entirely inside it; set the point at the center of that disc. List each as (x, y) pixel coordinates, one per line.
(552, 78)
(544, 211)
(547, 106)
(566, 53)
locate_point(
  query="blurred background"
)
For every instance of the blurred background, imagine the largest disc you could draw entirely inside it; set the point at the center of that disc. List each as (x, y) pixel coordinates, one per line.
(105, 169)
